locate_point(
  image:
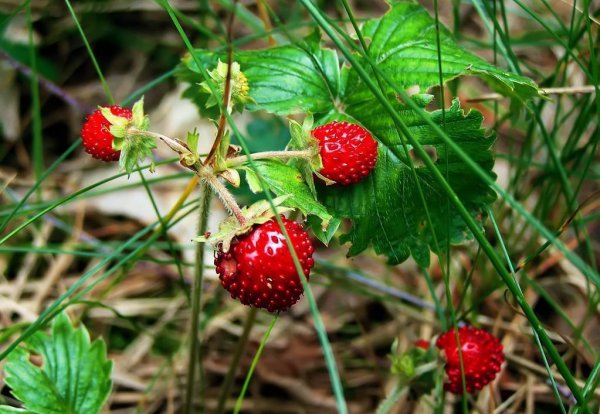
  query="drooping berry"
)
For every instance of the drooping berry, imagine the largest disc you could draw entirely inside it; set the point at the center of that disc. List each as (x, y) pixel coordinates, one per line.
(259, 270)
(348, 152)
(96, 136)
(482, 356)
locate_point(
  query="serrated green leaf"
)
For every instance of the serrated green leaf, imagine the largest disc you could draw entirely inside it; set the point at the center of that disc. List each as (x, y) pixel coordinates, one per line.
(403, 43)
(282, 80)
(386, 209)
(74, 377)
(284, 179)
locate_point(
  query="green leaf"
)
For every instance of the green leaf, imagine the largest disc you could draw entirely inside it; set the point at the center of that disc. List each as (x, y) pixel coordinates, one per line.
(74, 377)
(403, 44)
(386, 209)
(283, 80)
(283, 180)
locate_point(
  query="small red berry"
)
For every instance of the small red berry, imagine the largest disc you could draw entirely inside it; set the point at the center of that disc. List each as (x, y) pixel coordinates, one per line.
(422, 343)
(259, 270)
(482, 356)
(96, 136)
(348, 151)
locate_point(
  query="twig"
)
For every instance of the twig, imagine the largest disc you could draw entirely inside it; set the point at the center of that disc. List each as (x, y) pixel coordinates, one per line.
(563, 90)
(48, 85)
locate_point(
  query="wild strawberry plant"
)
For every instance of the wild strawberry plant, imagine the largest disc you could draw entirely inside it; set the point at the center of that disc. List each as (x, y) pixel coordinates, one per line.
(374, 159)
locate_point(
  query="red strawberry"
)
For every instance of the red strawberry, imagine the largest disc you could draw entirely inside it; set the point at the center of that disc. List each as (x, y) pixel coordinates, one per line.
(482, 356)
(96, 137)
(348, 151)
(259, 270)
(422, 343)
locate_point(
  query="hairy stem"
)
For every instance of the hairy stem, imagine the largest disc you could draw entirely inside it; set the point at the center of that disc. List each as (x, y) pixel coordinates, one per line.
(201, 171)
(219, 188)
(194, 350)
(282, 155)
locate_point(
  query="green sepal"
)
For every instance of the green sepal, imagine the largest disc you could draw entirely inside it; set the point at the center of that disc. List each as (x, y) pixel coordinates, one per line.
(302, 139)
(138, 119)
(417, 368)
(134, 150)
(221, 154)
(192, 140)
(192, 157)
(257, 213)
(134, 147)
(238, 90)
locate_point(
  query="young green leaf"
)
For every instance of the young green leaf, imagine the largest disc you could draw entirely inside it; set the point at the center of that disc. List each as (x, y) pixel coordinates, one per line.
(74, 377)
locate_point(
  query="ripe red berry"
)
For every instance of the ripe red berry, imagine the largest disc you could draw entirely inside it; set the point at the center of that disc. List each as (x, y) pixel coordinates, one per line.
(96, 136)
(259, 270)
(422, 343)
(482, 356)
(348, 151)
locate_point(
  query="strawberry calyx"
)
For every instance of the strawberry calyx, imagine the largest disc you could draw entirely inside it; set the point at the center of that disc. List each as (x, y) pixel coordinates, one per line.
(257, 213)
(302, 139)
(129, 136)
(239, 88)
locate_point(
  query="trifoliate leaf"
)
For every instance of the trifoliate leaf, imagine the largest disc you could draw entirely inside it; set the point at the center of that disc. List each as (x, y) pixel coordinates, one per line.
(74, 376)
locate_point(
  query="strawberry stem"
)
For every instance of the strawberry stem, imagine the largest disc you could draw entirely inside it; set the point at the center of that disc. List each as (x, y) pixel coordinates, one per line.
(282, 155)
(219, 188)
(205, 173)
